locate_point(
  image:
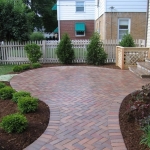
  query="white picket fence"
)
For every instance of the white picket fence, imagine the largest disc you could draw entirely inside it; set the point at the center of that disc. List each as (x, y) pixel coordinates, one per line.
(14, 53)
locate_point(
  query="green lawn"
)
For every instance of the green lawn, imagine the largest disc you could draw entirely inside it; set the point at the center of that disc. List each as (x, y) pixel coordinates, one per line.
(4, 69)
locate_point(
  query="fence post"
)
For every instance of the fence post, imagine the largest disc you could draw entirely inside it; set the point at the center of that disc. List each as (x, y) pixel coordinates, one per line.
(116, 55)
(43, 50)
(122, 63)
(149, 53)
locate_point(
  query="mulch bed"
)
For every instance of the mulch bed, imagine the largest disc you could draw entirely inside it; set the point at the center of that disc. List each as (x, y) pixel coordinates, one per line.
(37, 123)
(130, 130)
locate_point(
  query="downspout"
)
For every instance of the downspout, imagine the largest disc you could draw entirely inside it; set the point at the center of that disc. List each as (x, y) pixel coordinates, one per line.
(147, 15)
(58, 16)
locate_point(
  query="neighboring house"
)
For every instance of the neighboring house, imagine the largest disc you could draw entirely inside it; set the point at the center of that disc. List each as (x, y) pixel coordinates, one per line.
(113, 18)
(75, 17)
(148, 24)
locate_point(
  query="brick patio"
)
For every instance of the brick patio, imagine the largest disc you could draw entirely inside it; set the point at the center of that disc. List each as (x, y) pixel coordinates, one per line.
(84, 104)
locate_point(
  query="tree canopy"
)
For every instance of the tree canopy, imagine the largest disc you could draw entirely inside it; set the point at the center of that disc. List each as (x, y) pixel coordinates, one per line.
(45, 16)
(16, 20)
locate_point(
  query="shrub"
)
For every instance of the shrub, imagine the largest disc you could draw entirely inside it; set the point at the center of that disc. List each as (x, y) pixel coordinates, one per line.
(6, 93)
(146, 137)
(18, 95)
(14, 123)
(25, 66)
(36, 65)
(27, 104)
(17, 69)
(138, 107)
(33, 52)
(127, 41)
(2, 85)
(65, 51)
(36, 36)
(95, 51)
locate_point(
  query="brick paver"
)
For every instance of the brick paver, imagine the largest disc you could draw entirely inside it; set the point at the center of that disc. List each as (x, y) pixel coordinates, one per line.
(84, 104)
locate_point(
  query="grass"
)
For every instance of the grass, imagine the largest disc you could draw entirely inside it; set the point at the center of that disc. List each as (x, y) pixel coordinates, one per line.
(4, 69)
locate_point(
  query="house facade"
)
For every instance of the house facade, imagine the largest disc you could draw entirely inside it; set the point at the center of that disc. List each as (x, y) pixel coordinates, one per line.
(114, 18)
(76, 17)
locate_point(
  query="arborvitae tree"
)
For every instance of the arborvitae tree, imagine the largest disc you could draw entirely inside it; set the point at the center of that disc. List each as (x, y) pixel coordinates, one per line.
(95, 51)
(127, 41)
(65, 51)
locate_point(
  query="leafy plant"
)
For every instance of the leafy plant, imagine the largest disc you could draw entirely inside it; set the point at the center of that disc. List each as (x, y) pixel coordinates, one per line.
(25, 66)
(14, 123)
(95, 51)
(18, 95)
(146, 137)
(2, 85)
(65, 51)
(36, 65)
(6, 93)
(27, 104)
(139, 106)
(36, 36)
(33, 52)
(17, 68)
(127, 41)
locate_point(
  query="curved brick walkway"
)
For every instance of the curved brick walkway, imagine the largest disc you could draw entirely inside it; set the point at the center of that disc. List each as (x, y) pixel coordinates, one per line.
(84, 104)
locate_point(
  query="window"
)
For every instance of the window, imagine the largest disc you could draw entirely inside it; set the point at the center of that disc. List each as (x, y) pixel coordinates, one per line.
(123, 27)
(80, 29)
(79, 6)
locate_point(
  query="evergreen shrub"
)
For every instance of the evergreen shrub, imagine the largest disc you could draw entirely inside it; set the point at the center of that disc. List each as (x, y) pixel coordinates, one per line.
(65, 52)
(33, 52)
(27, 104)
(127, 41)
(95, 51)
(14, 123)
(18, 95)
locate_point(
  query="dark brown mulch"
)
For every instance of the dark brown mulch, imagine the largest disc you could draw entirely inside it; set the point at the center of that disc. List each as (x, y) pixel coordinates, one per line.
(37, 123)
(130, 130)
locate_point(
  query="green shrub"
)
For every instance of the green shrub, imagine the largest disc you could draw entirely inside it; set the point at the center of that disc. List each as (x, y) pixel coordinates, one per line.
(25, 66)
(17, 68)
(146, 137)
(36, 36)
(6, 93)
(33, 52)
(127, 41)
(14, 123)
(95, 51)
(36, 65)
(2, 85)
(65, 51)
(18, 95)
(27, 104)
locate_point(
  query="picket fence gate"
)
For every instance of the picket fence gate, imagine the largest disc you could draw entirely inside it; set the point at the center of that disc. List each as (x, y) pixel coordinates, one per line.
(14, 53)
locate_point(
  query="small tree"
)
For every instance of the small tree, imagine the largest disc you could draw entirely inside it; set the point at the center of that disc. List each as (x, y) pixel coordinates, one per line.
(65, 51)
(127, 41)
(95, 51)
(33, 52)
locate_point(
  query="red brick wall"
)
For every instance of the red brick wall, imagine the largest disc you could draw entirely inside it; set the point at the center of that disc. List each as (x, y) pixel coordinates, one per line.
(68, 26)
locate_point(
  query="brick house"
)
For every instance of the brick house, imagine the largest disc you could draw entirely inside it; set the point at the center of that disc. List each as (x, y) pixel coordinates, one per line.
(75, 17)
(114, 18)
(148, 24)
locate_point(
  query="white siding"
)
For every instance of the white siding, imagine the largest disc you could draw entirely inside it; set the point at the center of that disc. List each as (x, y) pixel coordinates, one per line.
(66, 10)
(148, 28)
(101, 9)
(127, 5)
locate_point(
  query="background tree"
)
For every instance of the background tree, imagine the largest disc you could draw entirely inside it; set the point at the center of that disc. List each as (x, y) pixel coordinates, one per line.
(16, 20)
(45, 16)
